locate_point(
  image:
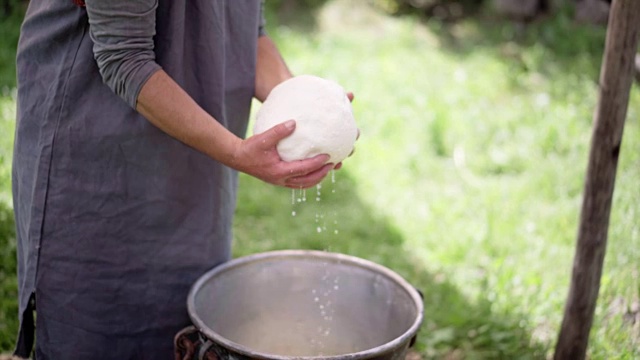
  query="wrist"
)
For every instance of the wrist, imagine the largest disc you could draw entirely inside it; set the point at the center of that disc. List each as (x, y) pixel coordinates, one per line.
(232, 156)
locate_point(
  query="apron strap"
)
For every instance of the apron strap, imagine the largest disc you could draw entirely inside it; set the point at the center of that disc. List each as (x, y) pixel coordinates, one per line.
(26, 334)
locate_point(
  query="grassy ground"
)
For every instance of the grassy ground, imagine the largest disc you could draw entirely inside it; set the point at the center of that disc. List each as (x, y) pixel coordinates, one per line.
(8, 283)
(467, 178)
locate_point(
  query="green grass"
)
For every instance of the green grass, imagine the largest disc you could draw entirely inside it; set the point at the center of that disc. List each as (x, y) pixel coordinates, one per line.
(467, 178)
(9, 29)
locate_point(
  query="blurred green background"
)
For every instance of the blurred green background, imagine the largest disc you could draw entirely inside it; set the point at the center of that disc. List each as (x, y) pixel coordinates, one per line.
(468, 175)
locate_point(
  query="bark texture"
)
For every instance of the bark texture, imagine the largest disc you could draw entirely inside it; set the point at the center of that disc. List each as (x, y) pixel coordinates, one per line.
(615, 83)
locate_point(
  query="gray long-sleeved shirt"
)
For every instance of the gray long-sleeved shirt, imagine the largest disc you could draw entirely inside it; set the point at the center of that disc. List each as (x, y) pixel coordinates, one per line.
(115, 219)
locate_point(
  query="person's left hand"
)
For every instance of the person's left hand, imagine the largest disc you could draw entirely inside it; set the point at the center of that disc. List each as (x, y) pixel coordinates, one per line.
(339, 165)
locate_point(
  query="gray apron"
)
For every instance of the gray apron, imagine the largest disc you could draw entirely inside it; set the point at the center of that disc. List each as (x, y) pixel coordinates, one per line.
(115, 219)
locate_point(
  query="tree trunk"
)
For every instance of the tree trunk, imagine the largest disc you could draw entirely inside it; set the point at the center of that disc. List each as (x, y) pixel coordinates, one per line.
(638, 68)
(615, 83)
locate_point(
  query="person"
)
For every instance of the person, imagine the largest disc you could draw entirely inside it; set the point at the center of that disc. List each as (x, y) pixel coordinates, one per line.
(129, 136)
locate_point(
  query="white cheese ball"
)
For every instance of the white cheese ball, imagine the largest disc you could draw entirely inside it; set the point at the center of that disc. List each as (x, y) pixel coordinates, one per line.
(323, 115)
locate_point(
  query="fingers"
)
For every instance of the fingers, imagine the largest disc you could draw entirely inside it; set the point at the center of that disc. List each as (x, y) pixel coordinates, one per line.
(306, 173)
(268, 166)
(310, 179)
(307, 166)
(354, 148)
(272, 137)
(351, 97)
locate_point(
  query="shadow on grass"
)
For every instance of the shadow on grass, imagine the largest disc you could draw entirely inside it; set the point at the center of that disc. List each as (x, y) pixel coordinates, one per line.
(9, 33)
(454, 327)
(549, 45)
(8, 280)
(296, 14)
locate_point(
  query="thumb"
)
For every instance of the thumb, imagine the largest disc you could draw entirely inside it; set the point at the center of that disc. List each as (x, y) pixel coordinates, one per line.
(272, 137)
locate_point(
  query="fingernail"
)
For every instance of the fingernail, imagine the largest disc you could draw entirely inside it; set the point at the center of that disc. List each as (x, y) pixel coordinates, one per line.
(290, 124)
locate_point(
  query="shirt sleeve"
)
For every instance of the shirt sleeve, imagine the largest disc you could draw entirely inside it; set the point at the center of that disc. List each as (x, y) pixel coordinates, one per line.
(122, 33)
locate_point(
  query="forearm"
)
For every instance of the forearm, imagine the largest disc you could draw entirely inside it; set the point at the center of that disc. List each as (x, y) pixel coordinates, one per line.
(271, 68)
(170, 108)
(165, 104)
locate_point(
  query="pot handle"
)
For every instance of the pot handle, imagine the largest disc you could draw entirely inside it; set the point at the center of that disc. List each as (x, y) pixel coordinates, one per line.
(207, 352)
(190, 344)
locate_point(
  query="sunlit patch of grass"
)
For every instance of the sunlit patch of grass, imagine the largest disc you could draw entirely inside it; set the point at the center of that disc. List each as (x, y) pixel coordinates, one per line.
(7, 124)
(8, 280)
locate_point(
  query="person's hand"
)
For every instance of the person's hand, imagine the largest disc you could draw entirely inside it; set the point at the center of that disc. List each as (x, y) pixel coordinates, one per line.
(339, 165)
(258, 157)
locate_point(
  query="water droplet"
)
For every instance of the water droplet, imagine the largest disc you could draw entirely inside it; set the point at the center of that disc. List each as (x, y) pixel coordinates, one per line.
(318, 198)
(319, 229)
(321, 306)
(293, 213)
(336, 287)
(316, 299)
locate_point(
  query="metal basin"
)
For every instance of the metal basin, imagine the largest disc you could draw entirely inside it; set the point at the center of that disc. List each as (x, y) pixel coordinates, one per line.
(305, 304)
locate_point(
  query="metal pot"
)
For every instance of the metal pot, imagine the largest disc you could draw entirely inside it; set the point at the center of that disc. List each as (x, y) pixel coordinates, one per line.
(297, 304)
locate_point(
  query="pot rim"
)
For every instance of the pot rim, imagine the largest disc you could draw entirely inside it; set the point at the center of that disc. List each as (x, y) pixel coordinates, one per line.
(317, 254)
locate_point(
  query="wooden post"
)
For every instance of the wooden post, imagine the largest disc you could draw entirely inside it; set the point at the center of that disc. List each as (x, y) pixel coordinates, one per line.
(616, 77)
(638, 68)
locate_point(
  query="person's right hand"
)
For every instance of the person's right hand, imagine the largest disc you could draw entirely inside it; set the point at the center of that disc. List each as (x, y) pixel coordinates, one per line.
(258, 157)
